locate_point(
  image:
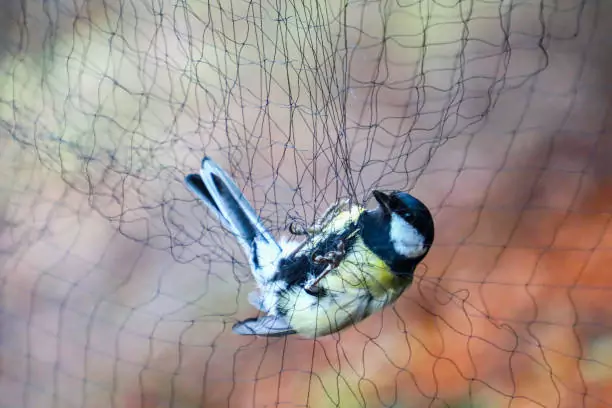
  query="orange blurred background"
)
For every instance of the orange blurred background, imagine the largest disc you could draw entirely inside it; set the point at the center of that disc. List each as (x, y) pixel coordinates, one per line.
(118, 291)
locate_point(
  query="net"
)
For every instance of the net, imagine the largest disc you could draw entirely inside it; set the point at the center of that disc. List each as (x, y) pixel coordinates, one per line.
(119, 289)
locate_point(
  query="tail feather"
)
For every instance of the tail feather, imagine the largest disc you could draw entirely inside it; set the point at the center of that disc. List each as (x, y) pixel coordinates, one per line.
(219, 192)
(196, 185)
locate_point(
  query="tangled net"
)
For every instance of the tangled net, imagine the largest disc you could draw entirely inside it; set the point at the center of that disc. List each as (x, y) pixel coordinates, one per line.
(118, 288)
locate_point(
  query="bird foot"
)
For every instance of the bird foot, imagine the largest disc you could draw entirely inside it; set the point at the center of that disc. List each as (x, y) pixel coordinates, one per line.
(332, 258)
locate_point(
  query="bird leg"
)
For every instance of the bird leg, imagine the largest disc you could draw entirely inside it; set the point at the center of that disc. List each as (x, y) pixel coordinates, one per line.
(311, 286)
(332, 259)
(327, 217)
(295, 229)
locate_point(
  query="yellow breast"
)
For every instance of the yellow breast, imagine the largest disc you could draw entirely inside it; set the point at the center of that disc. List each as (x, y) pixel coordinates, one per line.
(361, 281)
(361, 269)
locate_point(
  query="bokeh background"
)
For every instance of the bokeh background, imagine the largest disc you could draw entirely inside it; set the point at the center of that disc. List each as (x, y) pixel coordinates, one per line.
(118, 290)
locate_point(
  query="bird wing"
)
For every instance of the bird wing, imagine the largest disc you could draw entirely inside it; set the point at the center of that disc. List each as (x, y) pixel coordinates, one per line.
(219, 192)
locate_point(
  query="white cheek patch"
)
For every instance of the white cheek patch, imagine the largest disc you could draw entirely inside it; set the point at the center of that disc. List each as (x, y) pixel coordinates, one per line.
(406, 240)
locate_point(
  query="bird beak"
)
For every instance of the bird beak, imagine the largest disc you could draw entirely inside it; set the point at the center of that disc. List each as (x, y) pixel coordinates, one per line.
(383, 200)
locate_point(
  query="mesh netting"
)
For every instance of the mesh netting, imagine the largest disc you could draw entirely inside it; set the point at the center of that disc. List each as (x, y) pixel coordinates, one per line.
(119, 289)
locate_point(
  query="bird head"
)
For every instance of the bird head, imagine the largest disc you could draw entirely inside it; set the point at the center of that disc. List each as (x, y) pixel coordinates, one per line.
(400, 230)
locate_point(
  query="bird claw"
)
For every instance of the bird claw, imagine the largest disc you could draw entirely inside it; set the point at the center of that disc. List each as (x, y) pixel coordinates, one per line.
(295, 229)
(332, 259)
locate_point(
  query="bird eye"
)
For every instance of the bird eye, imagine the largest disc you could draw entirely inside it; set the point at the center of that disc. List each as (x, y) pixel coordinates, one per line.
(408, 216)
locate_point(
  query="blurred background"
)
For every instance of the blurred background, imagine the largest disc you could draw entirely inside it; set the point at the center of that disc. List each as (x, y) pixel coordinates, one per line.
(118, 290)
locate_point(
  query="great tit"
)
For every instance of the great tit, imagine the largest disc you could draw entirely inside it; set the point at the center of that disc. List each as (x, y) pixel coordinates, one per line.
(352, 263)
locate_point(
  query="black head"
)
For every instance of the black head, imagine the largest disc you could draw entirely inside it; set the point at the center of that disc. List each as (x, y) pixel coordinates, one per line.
(400, 230)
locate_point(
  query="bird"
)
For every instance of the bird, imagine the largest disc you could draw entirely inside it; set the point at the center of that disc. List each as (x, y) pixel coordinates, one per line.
(352, 262)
